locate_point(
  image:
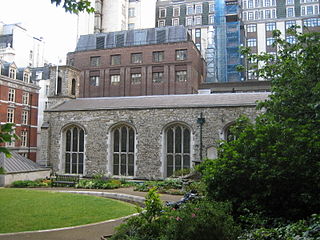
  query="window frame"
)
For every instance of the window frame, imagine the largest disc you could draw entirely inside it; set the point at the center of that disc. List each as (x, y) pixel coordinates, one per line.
(123, 146)
(181, 76)
(115, 59)
(177, 149)
(25, 98)
(11, 95)
(10, 115)
(181, 54)
(94, 80)
(136, 58)
(157, 77)
(158, 56)
(135, 78)
(252, 28)
(24, 138)
(95, 61)
(271, 26)
(24, 117)
(74, 147)
(251, 42)
(115, 79)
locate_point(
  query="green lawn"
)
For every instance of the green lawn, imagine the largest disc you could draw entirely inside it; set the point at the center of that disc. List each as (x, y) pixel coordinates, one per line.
(28, 210)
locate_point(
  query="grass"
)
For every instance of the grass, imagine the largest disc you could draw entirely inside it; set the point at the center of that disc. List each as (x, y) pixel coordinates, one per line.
(29, 210)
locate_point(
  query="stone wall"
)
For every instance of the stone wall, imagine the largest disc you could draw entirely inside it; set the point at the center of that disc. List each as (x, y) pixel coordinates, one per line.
(149, 125)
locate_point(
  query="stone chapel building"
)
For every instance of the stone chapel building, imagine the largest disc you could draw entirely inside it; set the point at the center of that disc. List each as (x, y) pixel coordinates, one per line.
(142, 137)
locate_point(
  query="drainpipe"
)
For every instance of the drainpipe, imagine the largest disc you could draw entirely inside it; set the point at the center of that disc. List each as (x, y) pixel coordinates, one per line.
(29, 136)
(201, 120)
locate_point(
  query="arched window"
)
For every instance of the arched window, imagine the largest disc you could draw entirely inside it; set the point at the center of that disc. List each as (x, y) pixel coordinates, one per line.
(228, 135)
(123, 150)
(73, 87)
(74, 150)
(177, 148)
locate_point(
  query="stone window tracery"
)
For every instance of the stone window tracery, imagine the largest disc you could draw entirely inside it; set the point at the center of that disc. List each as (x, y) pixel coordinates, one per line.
(74, 150)
(178, 140)
(123, 151)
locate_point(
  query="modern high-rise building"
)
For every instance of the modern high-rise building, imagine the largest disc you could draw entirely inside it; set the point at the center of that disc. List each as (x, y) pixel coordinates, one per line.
(112, 16)
(17, 45)
(215, 28)
(196, 15)
(261, 17)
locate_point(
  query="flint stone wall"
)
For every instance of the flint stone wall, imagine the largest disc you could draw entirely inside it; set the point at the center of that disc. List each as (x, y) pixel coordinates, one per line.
(149, 126)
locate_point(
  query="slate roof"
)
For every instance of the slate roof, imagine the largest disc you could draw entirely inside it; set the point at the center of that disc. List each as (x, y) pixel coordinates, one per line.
(162, 101)
(135, 37)
(17, 163)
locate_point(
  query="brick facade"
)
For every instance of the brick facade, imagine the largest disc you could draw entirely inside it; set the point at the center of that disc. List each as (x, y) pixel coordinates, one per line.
(168, 67)
(19, 105)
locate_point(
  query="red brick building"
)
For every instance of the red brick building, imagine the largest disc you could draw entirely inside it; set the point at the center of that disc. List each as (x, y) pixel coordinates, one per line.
(157, 61)
(19, 105)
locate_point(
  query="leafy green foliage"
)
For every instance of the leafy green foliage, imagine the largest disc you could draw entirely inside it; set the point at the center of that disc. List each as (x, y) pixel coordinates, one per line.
(162, 186)
(31, 184)
(272, 167)
(7, 135)
(300, 230)
(201, 219)
(98, 183)
(75, 6)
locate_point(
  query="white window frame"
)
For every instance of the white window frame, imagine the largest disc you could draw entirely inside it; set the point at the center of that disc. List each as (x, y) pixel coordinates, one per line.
(11, 95)
(10, 115)
(290, 12)
(198, 9)
(26, 77)
(269, 41)
(252, 28)
(165, 12)
(176, 11)
(131, 12)
(198, 20)
(190, 9)
(271, 26)
(189, 21)
(12, 73)
(161, 23)
(175, 21)
(252, 42)
(25, 115)
(211, 19)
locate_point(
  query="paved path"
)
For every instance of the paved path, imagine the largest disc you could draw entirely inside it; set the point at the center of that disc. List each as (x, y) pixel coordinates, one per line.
(86, 232)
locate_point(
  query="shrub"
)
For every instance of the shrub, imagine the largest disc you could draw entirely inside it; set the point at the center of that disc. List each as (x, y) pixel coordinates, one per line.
(25, 184)
(181, 172)
(201, 219)
(98, 183)
(300, 230)
(161, 186)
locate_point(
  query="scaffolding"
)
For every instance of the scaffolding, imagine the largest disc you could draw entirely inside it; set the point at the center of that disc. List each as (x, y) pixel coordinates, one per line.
(222, 53)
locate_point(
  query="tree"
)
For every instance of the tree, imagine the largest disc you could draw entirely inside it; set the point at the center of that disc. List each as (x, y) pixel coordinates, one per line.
(273, 165)
(6, 136)
(75, 6)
